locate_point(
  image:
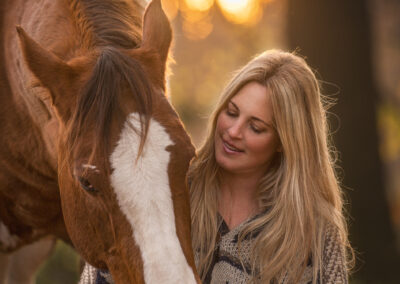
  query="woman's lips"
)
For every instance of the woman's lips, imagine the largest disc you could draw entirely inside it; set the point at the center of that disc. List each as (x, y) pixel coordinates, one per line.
(229, 148)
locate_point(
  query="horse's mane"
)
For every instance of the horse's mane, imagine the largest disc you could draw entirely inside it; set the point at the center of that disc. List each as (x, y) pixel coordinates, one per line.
(98, 102)
(104, 23)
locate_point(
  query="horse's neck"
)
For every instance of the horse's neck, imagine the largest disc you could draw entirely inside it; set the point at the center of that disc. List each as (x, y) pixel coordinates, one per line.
(29, 123)
(24, 116)
(24, 147)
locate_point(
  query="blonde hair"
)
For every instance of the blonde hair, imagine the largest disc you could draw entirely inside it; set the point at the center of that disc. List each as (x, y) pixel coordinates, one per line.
(299, 194)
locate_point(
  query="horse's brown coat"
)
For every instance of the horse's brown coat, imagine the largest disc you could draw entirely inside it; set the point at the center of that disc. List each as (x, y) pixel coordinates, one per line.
(66, 87)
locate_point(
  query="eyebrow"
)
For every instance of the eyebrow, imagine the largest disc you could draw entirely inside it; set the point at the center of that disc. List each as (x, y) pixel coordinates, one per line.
(252, 117)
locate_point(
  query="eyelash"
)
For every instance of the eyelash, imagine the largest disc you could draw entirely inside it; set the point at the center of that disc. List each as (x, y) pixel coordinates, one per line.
(255, 129)
(231, 113)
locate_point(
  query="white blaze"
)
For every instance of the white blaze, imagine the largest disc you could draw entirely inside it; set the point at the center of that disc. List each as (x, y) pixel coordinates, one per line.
(144, 196)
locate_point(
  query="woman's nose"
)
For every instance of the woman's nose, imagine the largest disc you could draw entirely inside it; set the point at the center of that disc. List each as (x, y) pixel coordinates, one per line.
(235, 130)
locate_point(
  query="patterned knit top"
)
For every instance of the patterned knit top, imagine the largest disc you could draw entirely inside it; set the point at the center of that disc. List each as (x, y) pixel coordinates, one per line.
(231, 266)
(228, 268)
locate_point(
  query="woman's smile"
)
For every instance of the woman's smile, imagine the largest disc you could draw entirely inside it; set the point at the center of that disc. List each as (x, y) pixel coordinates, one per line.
(231, 149)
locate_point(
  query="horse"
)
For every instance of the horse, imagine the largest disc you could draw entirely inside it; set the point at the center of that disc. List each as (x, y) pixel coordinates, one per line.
(92, 152)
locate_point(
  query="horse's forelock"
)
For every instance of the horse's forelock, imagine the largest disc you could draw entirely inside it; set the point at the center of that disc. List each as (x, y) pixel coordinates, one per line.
(100, 99)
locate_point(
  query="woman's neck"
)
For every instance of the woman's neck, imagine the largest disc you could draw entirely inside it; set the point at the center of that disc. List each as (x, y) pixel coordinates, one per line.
(237, 198)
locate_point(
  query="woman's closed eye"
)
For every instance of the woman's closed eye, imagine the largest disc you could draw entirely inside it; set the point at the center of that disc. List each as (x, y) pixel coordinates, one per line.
(231, 112)
(257, 129)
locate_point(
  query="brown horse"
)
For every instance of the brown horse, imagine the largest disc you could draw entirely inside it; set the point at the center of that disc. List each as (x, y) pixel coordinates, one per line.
(91, 150)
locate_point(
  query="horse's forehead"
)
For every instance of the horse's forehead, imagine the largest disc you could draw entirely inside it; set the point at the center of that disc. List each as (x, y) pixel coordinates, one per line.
(144, 196)
(152, 165)
(155, 145)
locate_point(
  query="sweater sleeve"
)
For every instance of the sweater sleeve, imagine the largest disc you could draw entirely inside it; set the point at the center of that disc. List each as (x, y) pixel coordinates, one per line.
(88, 275)
(92, 275)
(334, 261)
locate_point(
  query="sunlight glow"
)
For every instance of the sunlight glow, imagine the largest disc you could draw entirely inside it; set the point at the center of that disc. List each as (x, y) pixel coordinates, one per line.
(171, 8)
(199, 5)
(196, 24)
(234, 6)
(241, 11)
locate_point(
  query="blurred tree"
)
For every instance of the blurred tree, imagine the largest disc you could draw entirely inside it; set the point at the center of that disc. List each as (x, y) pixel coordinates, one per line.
(63, 266)
(335, 37)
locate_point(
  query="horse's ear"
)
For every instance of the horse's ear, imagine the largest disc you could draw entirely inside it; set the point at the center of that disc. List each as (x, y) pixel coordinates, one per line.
(47, 67)
(157, 32)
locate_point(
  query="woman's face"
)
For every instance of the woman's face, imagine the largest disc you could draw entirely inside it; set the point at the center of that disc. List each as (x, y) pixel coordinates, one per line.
(245, 140)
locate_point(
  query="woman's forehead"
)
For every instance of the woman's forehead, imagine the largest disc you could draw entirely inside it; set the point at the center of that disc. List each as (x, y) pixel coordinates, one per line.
(253, 99)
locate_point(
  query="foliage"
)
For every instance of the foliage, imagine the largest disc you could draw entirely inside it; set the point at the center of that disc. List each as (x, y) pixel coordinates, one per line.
(62, 267)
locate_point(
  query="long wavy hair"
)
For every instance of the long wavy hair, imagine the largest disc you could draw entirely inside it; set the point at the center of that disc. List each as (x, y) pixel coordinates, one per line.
(299, 193)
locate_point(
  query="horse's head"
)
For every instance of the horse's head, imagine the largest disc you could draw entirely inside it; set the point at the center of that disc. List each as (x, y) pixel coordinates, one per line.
(122, 156)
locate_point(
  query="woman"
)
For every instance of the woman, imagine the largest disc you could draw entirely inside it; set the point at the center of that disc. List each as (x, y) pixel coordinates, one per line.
(266, 204)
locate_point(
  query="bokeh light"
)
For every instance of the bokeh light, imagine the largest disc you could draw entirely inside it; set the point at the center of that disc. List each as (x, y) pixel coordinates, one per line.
(199, 5)
(234, 6)
(241, 11)
(196, 25)
(196, 21)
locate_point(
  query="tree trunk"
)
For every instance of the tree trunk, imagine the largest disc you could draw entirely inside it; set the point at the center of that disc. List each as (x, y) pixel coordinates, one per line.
(334, 35)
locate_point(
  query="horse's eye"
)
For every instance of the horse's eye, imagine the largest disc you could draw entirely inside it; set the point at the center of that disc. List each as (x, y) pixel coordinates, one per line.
(86, 185)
